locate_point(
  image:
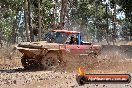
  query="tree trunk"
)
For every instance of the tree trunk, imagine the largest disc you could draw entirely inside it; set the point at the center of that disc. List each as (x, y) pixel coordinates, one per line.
(26, 19)
(131, 34)
(54, 16)
(14, 27)
(30, 22)
(63, 12)
(107, 31)
(114, 24)
(39, 20)
(1, 44)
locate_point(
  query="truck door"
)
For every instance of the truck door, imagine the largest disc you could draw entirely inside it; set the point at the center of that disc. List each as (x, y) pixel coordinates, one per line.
(78, 49)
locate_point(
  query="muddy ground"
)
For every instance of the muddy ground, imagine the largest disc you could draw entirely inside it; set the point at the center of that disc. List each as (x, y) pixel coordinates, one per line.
(112, 60)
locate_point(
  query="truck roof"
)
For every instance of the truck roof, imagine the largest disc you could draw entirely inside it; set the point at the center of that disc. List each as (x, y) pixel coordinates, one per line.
(66, 31)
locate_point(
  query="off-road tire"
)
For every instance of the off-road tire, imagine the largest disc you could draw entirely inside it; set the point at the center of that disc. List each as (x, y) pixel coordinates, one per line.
(50, 61)
(24, 62)
(28, 64)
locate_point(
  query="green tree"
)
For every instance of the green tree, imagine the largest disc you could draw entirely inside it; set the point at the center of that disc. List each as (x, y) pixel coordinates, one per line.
(127, 8)
(9, 18)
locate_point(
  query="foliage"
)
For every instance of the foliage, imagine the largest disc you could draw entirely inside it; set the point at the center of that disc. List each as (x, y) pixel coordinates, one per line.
(89, 17)
(9, 12)
(126, 7)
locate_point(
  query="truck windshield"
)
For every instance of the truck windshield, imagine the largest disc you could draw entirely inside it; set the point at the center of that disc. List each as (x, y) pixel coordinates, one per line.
(57, 37)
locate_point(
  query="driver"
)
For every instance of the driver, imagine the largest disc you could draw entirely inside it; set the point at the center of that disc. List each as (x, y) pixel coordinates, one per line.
(73, 40)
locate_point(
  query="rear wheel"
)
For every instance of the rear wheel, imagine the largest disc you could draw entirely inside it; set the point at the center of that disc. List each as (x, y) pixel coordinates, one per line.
(29, 64)
(50, 61)
(25, 62)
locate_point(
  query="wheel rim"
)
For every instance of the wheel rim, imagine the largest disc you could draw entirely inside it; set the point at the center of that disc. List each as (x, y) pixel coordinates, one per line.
(50, 63)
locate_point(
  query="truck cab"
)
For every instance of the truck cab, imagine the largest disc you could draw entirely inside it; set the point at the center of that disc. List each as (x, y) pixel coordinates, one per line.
(71, 41)
(65, 37)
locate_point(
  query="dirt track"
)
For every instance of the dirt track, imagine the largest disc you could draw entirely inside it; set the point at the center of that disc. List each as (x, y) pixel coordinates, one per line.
(19, 78)
(112, 61)
(49, 79)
